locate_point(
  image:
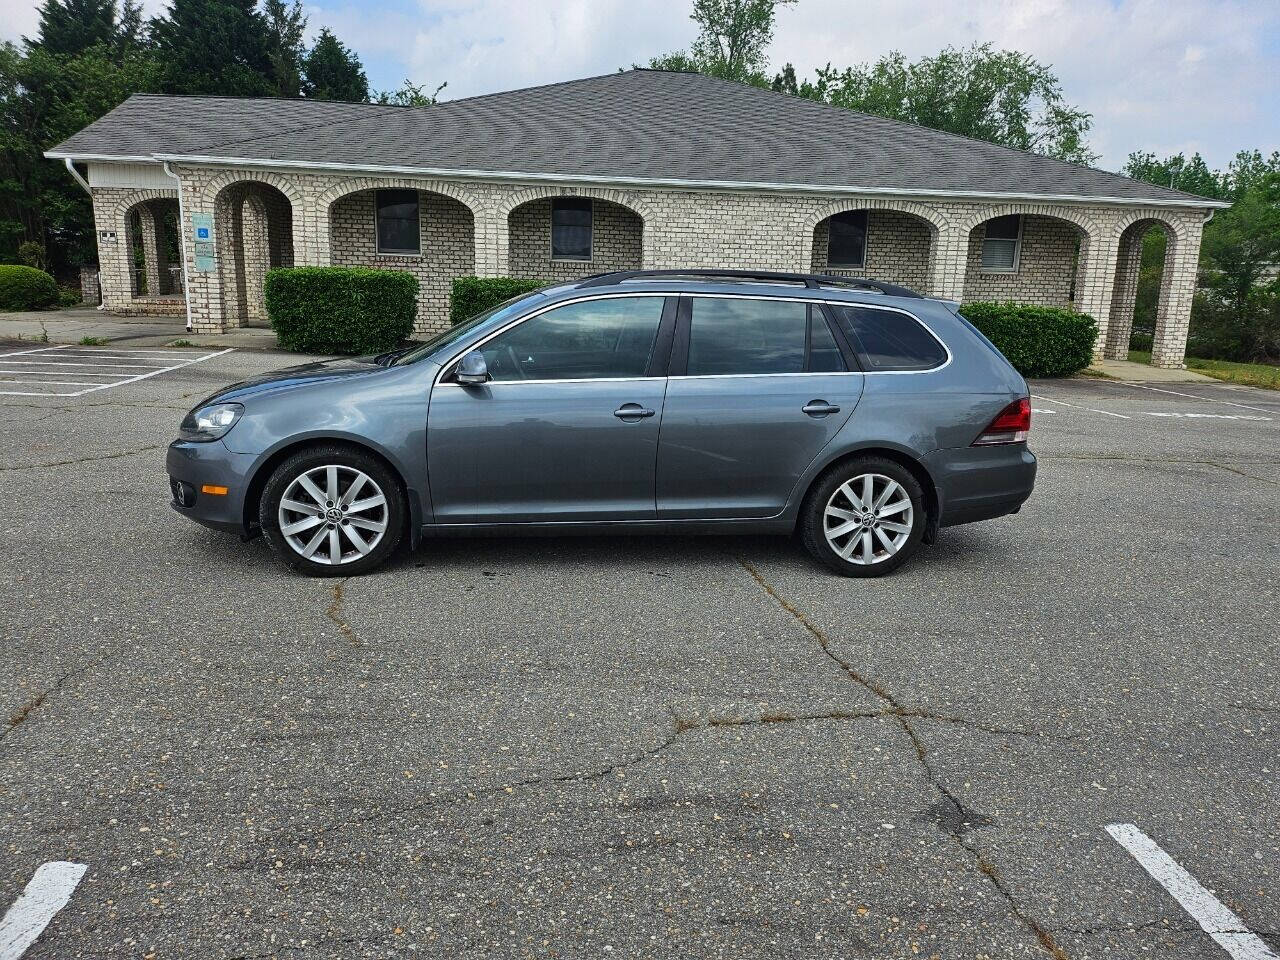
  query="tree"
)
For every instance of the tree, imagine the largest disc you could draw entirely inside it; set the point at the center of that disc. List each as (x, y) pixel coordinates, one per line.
(44, 98)
(1001, 96)
(410, 95)
(71, 26)
(331, 71)
(1177, 173)
(214, 47)
(733, 40)
(285, 26)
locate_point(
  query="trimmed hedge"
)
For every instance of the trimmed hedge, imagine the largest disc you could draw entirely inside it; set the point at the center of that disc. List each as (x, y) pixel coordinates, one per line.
(1038, 341)
(341, 309)
(472, 295)
(26, 288)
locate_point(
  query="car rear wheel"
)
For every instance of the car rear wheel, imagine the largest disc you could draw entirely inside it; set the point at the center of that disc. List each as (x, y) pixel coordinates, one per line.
(332, 511)
(865, 518)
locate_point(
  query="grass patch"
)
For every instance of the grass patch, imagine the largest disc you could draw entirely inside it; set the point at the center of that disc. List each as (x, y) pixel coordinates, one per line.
(93, 341)
(181, 343)
(1250, 374)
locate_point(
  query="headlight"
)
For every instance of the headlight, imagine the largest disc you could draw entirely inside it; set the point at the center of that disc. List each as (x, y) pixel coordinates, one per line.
(211, 422)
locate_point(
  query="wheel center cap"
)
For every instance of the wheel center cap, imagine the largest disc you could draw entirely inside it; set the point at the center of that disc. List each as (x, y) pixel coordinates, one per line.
(333, 514)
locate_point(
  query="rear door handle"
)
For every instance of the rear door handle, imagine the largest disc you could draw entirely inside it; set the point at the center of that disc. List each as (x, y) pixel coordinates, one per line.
(632, 412)
(819, 408)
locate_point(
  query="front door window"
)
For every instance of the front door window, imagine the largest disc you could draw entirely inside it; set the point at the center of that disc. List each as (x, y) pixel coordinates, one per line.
(603, 338)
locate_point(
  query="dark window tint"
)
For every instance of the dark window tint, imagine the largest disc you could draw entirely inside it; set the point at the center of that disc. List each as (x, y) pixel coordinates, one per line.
(746, 336)
(888, 340)
(847, 239)
(824, 355)
(585, 340)
(398, 221)
(571, 229)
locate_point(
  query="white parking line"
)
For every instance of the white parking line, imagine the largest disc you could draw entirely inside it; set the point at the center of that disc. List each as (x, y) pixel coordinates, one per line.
(1064, 403)
(1192, 396)
(20, 353)
(54, 372)
(48, 892)
(1227, 930)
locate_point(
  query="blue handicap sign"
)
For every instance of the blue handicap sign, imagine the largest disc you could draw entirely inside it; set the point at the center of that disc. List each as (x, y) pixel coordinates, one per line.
(202, 233)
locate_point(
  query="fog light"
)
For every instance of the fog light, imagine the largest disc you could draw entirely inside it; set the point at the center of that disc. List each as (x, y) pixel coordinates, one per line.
(184, 494)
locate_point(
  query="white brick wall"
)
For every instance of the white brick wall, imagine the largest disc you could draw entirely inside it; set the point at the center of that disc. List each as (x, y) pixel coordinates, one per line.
(491, 228)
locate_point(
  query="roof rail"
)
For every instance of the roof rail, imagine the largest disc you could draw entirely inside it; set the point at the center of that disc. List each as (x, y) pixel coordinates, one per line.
(811, 280)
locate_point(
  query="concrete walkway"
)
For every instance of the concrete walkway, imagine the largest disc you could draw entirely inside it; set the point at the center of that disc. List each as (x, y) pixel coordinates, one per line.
(74, 324)
(1141, 372)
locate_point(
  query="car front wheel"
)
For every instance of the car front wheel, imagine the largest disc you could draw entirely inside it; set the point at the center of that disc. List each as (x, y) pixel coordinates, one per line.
(331, 511)
(865, 518)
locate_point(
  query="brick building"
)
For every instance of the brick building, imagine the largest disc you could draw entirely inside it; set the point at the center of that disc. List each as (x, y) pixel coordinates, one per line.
(195, 198)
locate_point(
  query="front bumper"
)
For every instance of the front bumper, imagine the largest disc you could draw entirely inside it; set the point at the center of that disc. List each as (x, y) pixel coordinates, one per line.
(979, 483)
(210, 464)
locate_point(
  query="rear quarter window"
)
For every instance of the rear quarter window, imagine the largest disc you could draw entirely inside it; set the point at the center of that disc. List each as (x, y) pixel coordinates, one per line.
(887, 340)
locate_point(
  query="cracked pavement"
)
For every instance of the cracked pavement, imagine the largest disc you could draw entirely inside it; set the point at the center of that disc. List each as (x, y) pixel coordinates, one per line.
(645, 747)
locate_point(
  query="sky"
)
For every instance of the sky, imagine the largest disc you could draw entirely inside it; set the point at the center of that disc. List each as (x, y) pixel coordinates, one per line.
(1164, 76)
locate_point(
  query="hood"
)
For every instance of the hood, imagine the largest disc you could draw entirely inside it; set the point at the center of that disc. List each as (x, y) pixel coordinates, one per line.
(301, 375)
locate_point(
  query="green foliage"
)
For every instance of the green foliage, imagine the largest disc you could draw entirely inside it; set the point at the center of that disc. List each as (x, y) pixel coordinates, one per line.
(733, 40)
(285, 27)
(341, 309)
(410, 95)
(26, 288)
(31, 253)
(93, 341)
(1038, 341)
(472, 295)
(333, 72)
(214, 47)
(1177, 173)
(1001, 96)
(71, 26)
(70, 297)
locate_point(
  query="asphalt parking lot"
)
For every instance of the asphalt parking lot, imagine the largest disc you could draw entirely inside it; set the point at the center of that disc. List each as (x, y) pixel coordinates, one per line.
(645, 747)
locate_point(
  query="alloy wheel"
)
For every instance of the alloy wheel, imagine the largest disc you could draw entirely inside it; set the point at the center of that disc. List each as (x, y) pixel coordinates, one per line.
(868, 519)
(333, 514)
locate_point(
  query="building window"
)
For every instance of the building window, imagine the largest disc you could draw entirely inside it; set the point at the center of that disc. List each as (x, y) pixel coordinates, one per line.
(1000, 244)
(570, 229)
(397, 222)
(847, 239)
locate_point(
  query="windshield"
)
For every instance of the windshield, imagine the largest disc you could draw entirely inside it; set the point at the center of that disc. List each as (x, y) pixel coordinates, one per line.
(453, 334)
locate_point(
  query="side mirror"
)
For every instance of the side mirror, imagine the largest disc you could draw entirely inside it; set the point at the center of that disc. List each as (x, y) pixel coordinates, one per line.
(472, 370)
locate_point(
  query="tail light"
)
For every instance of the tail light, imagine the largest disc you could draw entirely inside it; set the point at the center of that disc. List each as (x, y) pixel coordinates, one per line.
(1011, 425)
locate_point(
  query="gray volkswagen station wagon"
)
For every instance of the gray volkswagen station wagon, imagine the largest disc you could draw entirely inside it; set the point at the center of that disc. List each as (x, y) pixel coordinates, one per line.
(857, 414)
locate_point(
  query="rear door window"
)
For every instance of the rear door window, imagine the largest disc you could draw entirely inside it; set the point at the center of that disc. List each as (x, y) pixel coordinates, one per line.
(889, 340)
(736, 336)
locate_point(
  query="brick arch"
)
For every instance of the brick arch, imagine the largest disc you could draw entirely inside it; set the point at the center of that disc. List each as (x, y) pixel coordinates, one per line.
(1168, 342)
(1058, 211)
(120, 215)
(1173, 227)
(621, 198)
(936, 220)
(287, 185)
(325, 201)
(508, 205)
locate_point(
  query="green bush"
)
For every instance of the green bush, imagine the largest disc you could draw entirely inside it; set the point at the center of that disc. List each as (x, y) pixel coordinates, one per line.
(1038, 341)
(26, 288)
(341, 309)
(472, 295)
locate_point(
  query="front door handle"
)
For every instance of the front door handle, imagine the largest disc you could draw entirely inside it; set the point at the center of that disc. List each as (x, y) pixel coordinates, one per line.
(631, 412)
(819, 408)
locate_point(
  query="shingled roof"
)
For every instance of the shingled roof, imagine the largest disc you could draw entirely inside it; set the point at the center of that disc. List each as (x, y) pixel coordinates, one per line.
(636, 127)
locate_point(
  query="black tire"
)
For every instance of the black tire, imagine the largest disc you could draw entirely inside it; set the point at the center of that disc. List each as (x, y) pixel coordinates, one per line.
(394, 512)
(813, 518)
